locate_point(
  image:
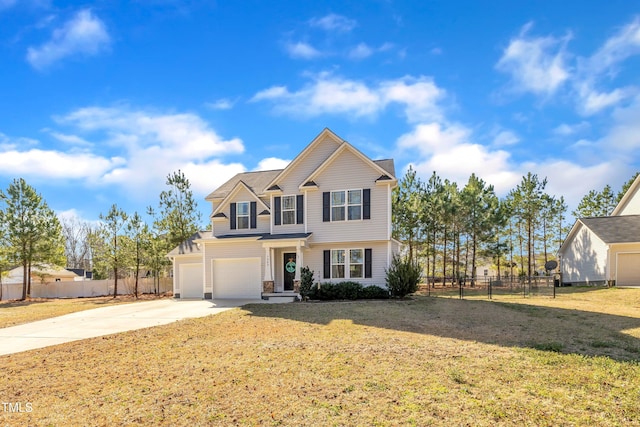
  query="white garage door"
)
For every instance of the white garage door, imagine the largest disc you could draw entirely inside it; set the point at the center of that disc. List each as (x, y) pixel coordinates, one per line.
(191, 285)
(237, 278)
(628, 270)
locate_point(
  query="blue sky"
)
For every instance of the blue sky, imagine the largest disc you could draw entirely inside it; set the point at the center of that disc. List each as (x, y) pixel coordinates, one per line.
(99, 101)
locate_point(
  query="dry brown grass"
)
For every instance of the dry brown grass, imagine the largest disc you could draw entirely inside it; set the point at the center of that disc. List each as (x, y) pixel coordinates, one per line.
(17, 312)
(427, 361)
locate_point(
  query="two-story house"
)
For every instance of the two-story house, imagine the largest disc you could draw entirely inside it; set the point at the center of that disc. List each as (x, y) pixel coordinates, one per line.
(329, 209)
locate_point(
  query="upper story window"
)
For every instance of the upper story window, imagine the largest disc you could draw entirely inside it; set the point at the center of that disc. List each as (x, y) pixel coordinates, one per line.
(346, 204)
(242, 221)
(288, 210)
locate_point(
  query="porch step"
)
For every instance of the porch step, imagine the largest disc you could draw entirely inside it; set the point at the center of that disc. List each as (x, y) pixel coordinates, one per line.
(278, 297)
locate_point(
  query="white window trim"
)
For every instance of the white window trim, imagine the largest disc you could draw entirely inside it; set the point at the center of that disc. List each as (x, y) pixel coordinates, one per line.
(346, 204)
(362, 263)
(238, 216)
(295, 209)
(347, 263)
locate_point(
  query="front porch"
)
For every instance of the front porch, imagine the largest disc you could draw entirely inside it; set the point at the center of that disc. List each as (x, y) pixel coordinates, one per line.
(283, 259)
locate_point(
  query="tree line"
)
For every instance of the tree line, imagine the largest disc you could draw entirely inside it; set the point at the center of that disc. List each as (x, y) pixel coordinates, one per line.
(121, 244)
(451, 230)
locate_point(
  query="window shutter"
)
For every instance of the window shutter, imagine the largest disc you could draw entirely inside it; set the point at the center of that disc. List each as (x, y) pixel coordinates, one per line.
(366, 203)
(367, 263)
(277, 218)
(233, 216)
(327, 265)
(253, 214)
(300, 209)
(326, 206)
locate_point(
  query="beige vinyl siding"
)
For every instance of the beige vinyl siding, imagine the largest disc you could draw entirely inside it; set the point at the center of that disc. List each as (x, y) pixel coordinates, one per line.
(221, 227)
(632, 206)
(314, 259)
(228, 248)
(305, 166)
(287, 228)
(178, 263)
(349, 172)
(585, 260)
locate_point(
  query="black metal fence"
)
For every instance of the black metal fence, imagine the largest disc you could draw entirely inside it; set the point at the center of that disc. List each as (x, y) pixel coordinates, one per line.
(489, 287)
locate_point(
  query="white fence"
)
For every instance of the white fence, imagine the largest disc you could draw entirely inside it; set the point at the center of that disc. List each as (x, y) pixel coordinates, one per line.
(85, 288)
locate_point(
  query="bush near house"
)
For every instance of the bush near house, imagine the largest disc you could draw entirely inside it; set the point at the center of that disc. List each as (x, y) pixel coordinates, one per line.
(347, 291)
(403, 276)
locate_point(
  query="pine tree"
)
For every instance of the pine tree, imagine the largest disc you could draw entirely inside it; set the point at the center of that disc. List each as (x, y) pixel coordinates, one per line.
(32, 230)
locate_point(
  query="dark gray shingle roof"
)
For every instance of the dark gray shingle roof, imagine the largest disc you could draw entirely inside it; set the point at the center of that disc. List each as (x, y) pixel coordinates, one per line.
(189, 247)
(615, 229)
(256, 181)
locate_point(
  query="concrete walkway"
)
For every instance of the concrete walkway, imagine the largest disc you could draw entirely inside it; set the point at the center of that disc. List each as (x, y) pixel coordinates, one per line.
(107, 320)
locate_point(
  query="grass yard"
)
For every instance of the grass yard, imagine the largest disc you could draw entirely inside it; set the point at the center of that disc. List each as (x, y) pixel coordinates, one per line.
(17, 312)
(572, 361)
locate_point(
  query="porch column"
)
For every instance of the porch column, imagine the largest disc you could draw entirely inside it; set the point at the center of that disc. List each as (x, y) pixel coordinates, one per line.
(267, 282)
(299, 262)
(268, 276)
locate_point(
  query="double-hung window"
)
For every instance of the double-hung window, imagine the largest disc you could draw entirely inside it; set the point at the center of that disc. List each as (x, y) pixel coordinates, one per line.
(337, 263)
(337, 205)
(356, 263)
(346, 205)
(355, 204)
(242, 215)
(288, 209)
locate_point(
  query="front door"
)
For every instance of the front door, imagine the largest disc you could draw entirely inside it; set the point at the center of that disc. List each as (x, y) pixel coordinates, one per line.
(289, 270)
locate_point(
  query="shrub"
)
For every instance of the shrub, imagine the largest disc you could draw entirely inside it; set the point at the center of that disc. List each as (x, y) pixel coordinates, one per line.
(346, 290)
(403, 276)
(374, 292)
(306, 283)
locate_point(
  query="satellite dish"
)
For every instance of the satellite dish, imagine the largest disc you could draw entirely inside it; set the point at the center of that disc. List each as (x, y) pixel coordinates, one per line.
(550, 265)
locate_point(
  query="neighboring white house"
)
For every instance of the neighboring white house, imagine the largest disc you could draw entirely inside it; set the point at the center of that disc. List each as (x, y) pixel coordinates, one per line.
(605, 250)
(40, 275)
(329, 209)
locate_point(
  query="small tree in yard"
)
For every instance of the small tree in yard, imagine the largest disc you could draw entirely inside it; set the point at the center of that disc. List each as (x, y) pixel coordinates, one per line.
(403, 276)
(306, 282)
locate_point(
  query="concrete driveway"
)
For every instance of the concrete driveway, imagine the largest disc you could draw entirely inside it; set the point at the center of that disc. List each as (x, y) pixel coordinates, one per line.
(107, 320)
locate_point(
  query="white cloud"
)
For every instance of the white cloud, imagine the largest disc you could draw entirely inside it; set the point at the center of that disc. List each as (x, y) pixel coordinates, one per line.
(221, 104)
(567, 129)
(616, 49)
(69, 139)
(624, 134)
(85, 34)
(449, 150)
(56, 165)
(333, 22)
(302, 50)
(328, 94)
(535, 64)
(272, 163)
(505, 138)
(361, 51)
(152, 145)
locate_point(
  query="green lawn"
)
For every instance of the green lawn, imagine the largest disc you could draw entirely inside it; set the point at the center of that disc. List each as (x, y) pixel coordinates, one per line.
(571, 361)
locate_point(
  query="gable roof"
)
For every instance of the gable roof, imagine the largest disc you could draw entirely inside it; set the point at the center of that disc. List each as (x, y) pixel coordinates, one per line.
(615, 229)
(322, 136)
(256, 181)
(239, 185)
(348, 147)
(633, 189)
